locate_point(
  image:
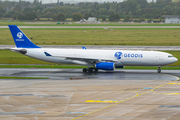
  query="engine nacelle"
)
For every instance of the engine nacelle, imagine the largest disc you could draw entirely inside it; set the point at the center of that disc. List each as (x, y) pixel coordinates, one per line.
(119, 67)
(105, 66)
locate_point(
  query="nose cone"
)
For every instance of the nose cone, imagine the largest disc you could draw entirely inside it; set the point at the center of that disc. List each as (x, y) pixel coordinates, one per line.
(175, 59)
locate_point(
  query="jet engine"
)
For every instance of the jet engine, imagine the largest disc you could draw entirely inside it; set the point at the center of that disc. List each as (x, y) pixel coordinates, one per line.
(119, 66)
(105, 66)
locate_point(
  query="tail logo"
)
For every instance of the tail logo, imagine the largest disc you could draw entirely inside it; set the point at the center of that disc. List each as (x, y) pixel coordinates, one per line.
(19, 35)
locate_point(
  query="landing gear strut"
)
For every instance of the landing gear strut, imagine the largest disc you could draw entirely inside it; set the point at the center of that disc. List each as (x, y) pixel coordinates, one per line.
(91, 69)
(159, 69)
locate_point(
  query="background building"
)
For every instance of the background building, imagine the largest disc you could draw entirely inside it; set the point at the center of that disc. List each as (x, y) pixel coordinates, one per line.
(172, 18)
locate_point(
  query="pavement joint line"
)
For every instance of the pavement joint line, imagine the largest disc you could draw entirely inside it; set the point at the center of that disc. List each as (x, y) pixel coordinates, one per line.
(137, 94)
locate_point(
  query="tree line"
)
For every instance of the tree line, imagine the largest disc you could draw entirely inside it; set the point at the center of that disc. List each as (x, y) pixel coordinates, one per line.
(113, 11)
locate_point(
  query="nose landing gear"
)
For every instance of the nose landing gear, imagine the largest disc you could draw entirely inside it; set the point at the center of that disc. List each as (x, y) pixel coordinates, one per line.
(159, 69)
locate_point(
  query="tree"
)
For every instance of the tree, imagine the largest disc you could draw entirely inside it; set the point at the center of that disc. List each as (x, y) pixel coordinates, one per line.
(2, 11)
(135, 8)
(49, 14)
(87, 15)
(30, 16)
(38, 7)
(27, 16)
(142, 3)
(114, 17)
(131, 6)
(61, 3)
(17, 8)
(9, 14)
(59, 17)
(20, 17)
(168, 10)
(110, 12)
(163, 1)
(14, 17)
(102, 11)
(104, 18)
(127, 18)
(77, 16)
(36, 2)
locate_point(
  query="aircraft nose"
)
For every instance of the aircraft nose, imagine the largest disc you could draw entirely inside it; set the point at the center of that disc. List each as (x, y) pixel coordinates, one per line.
(175, 59)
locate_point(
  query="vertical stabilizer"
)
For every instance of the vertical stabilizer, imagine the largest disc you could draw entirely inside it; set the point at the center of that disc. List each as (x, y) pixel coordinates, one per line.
(20, 39)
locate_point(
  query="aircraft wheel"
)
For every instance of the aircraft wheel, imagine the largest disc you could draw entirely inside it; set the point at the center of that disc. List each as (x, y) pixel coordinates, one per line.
(90, 69)
(95, 69)
(159, 71)
(85, 70)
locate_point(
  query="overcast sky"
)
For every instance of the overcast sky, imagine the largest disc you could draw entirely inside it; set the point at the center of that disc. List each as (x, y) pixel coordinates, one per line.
(73, 1)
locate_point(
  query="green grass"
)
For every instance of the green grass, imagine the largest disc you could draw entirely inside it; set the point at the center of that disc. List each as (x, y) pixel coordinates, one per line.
(142, 37)
(8, 77)
(25, 23)
(9, 57)
(43, 66)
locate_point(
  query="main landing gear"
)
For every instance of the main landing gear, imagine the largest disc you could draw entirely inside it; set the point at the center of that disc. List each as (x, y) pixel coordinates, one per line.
(159, 69)
(91, 69)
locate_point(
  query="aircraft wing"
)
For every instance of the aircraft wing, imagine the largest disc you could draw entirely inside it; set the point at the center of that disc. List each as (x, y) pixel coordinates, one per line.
(88, 60)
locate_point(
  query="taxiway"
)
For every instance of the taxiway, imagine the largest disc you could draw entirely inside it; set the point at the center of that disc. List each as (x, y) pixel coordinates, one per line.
(70, 94)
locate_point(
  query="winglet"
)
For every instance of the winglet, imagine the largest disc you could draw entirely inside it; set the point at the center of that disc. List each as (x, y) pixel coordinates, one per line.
(20, 39)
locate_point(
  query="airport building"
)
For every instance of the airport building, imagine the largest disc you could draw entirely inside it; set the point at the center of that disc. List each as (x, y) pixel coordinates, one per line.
(172, 19)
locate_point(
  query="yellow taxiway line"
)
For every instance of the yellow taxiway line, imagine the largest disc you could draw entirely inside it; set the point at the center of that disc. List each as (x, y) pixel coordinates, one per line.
(137, 94)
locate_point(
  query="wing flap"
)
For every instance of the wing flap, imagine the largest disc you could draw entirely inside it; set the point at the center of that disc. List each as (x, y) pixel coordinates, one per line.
(89, 60)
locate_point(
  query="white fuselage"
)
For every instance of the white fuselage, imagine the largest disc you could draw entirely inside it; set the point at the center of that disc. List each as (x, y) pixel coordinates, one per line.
(88, 56)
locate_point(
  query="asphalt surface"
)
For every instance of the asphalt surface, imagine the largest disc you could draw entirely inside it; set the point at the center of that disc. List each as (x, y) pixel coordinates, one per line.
(77, 74)
(166, 48)
(70, 94)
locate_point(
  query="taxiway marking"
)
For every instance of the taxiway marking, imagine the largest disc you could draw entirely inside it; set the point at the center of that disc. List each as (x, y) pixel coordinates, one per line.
(137, 94)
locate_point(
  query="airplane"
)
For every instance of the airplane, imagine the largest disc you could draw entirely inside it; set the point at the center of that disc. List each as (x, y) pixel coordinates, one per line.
(94, 59)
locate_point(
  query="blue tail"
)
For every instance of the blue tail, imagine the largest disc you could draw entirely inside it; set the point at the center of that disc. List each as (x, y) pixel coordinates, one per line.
(20, 38)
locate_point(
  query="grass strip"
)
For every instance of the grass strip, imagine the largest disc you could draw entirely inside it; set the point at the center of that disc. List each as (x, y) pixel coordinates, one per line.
(42, 66)
(87, 36)
(9, 77)
(5, 23)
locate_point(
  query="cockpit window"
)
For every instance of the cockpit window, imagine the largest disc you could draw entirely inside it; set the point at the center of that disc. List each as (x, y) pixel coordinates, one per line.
(170, 56)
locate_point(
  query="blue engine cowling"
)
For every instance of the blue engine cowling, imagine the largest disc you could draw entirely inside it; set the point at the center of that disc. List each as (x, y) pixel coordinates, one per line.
(105, 66)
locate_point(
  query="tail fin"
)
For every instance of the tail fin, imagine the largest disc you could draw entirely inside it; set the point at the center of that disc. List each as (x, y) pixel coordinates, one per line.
(20, 38)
